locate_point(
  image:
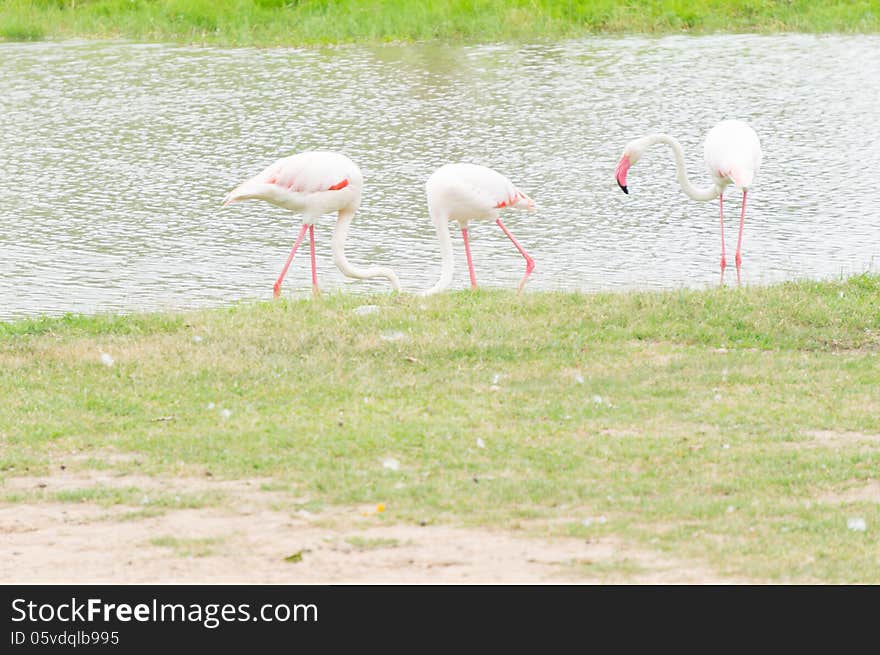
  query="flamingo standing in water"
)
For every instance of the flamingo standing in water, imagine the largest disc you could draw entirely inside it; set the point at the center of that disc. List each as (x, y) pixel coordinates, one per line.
(733, 155)
(314, 183)
(462, 192)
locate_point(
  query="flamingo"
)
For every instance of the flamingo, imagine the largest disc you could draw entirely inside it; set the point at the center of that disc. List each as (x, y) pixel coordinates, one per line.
(733, 155)
(314, 183)
(462, 192)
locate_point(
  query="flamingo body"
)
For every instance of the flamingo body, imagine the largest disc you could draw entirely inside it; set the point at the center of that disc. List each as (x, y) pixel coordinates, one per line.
(732, 152)
(311, 183)
(314, 183)
(465, 192)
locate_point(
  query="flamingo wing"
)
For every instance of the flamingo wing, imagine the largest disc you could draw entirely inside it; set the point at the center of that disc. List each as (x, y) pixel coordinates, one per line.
(312, 172)
(479, 190)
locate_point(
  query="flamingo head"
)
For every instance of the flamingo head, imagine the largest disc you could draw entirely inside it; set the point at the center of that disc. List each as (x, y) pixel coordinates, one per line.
(526, 203)
(630, 156)
(230, 199)
(247, 190)
(620, 172)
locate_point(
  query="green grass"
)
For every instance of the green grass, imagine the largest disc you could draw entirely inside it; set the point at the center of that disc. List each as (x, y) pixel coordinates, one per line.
(188, 547)
(686, 418)
(307, 22)
(153, 503)
(138, 514)
(616, 569)
(372, 543)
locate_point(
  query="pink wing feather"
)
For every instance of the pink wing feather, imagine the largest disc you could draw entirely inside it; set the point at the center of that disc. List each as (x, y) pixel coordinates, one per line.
(308, 172)
(491, 189)
(304, 174)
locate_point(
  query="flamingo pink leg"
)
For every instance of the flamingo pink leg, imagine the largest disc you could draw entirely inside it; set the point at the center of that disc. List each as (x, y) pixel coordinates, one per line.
(723, 257)
(276, 291)
(315, 290)
(530, 263)
(739, 241)
(470, 262)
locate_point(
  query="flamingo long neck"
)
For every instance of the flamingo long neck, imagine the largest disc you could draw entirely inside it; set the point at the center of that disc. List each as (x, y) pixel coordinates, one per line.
(707, 193)
(447, 262)
(340, 232)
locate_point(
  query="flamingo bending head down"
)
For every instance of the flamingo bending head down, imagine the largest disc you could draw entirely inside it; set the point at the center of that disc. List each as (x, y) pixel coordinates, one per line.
(465, 192)
(313, 184)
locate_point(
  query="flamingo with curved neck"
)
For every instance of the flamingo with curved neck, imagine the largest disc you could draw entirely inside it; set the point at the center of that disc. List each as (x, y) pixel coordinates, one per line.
(732, 152)
(465, 192)
(313, 184)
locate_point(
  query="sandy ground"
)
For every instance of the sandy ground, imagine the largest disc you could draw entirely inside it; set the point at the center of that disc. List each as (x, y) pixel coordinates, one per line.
(247, 540)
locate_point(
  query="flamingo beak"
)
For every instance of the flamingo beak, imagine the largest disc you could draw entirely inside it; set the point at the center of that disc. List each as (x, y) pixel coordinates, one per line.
(620, 173)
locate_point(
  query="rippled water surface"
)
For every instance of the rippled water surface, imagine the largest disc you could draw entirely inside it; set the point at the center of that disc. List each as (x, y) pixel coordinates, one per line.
(114, 159)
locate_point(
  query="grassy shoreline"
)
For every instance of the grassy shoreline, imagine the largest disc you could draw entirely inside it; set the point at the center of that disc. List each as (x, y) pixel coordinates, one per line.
(737, 428)
(318, 22)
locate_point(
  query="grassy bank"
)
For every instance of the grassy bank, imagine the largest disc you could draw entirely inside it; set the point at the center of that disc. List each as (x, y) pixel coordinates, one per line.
(283, 22)
(737, 428)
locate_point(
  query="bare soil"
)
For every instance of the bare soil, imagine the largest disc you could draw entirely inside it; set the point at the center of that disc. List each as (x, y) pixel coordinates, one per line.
(859, 492)
(836, 439)
(250, 538)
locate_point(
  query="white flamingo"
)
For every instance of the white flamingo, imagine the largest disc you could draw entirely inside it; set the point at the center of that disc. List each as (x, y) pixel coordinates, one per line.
(733, 155)
(464, 192)
(314, 183)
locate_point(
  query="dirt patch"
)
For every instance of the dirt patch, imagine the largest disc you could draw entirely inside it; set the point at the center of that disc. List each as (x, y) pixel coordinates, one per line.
(621, 433)
(143, 491)
(55, 543)
(835, 439)
(869, 492)
(251, 538)
(657, 354)
(67, 479)
(106, 457)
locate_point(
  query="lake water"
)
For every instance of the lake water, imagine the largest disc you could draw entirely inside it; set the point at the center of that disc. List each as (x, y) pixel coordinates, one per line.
(114, 158)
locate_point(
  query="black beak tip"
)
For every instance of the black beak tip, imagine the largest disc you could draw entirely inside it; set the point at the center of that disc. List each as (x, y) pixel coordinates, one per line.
(623, 188)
